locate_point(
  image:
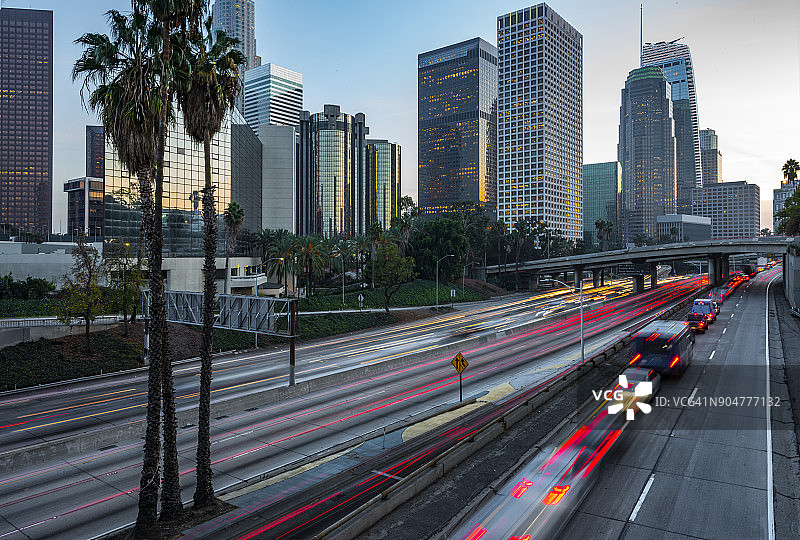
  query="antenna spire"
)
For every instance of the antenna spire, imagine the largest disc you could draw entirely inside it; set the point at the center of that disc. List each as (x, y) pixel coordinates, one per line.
(641, 32)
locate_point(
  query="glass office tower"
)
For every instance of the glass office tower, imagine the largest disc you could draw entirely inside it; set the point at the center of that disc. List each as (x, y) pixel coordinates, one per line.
(238, 19)
(647, 152)
(710, 157)
(273, 95)
(184, 178)
(457, 126)
(540, 119)
(675, 60)
(383, 180)
(332, 193)
(26, 119)
(602, 189)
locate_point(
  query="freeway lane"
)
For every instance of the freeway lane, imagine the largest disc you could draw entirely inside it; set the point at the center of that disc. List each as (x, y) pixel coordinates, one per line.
(96, 493)
(51, 413)
(692, 469)
(302, 510)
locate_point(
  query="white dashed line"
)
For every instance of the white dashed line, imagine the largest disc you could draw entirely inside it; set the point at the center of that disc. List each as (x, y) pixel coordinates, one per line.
(387, 475)
(710, 357)
(641, 498)
(691, 396)
(731, 315)
(724, 330)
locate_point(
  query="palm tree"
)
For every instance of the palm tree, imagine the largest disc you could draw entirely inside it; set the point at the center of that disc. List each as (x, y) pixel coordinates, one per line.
(281, 254)
(375, 235)
(172, 18)
(234, 219)
(790, 169)
(311, 256)
(361, 246)
(604, 230)
(124, 73)
(522, 229)
(206, 91)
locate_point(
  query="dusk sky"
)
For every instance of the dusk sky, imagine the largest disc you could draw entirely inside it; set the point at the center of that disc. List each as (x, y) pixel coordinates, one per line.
(363, 56)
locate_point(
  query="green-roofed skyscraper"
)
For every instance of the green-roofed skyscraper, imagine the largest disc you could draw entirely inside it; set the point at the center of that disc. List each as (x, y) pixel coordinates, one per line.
(646, 151)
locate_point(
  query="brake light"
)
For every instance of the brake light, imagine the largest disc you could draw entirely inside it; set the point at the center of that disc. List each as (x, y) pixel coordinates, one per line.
(674, 362)
(555, 495)
(521, 488)
(635, 359)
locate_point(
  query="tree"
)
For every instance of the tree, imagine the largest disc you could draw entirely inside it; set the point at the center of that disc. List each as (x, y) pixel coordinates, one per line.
(766, 232)
(82, 294)
(310, 255)
(520, 233)
(375, 235)
(281, 255)
(234, 219)
(790, 215)
(391, 271)
(126, 77)
(207, 90)
(435, 239)
(124, 275)
(604, 230)
(790, 170)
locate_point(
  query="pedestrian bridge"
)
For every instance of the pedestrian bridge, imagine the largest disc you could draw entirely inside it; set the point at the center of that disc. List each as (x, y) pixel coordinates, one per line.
(717, 252)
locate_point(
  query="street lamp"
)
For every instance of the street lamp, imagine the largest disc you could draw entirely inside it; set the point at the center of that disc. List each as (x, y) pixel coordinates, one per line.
(341, 254)
(437, 279)
(583, 355)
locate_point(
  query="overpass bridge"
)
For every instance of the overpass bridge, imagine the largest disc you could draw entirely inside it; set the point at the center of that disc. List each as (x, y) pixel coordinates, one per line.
(717, 252)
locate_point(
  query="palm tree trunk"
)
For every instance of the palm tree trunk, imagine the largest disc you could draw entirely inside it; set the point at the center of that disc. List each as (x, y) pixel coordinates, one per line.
(146, 520)
(204, 492)
(171, 504)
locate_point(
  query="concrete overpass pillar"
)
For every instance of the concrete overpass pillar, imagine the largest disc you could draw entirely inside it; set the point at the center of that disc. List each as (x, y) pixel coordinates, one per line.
(714, 270)
(596, 278)
(602, 277)
(578, 273)
(653, 275)
(638, 283)
(725, 270)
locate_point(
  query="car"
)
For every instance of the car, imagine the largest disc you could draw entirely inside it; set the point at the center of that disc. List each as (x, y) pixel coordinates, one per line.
(697, 322)
(704, 306)
(635, 375)
(664, 346)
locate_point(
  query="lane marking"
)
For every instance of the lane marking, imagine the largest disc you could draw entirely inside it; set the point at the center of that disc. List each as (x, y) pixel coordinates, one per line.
(731, 315)
(388, 475)
(770, 495)
(691, 396)
(724, 330)
(710, 357)
(641, 498)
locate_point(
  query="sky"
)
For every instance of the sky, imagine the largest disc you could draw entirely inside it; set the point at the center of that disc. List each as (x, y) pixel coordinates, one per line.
(362, 55)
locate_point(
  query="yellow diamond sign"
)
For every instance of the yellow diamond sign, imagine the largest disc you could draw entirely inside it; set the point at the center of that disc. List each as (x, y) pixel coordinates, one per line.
(460, 363)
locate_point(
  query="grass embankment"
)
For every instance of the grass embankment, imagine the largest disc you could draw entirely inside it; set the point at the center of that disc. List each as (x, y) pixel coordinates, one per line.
(419, 292)
(53, 360)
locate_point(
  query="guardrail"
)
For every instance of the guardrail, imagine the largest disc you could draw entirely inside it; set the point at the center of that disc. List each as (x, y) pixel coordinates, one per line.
(33, 322)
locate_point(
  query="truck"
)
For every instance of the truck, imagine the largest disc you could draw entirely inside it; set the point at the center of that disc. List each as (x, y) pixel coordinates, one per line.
(762, 262)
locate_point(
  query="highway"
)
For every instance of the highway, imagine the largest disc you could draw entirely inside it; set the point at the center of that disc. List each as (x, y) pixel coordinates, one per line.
(693, 468)
(95, 493)
(46, 414)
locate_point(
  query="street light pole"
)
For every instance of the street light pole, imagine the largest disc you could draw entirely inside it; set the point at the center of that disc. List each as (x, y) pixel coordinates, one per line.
(580, 298)
(342, 279)
(437, 280)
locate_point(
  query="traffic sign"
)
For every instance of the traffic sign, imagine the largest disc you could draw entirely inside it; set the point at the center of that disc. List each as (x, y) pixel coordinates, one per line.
(460, 363)
(360, 301)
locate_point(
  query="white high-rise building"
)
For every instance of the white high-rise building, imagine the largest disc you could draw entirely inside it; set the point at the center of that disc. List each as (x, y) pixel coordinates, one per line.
(238, 19)
(273, 96)
(540, 120)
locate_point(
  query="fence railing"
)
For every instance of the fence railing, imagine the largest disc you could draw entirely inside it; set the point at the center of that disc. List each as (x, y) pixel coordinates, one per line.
(29, 322)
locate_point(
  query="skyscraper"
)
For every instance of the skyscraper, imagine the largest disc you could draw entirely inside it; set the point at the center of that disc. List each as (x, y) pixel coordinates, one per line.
(602, 191)
(383, 180)
(457, 130)
(675, 60)
(273, 95)
(710, 157)
(646, 151)
(332, 193)
(540, 119)
(238, 19)
(26, 119)
(734, 209)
